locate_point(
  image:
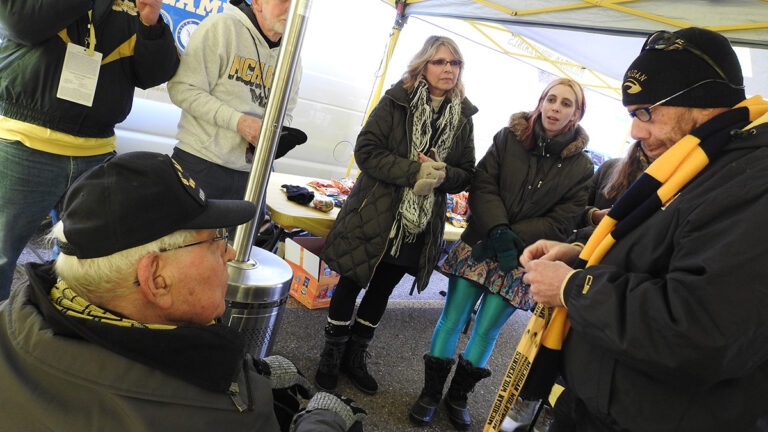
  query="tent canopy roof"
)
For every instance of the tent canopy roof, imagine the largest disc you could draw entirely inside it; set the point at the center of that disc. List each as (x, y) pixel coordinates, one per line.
(605, 35)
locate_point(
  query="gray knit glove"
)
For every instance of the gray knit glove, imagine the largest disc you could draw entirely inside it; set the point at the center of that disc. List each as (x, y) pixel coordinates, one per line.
(431, 170)
(345, 407)
(424, 187)
(431, 175)
(282, 374)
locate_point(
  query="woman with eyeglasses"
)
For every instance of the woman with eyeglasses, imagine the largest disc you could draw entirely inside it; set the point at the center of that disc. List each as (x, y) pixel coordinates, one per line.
(530, 185)
(416, 146)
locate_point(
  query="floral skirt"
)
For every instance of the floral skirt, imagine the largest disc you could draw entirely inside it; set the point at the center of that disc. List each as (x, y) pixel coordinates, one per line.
(509, 285)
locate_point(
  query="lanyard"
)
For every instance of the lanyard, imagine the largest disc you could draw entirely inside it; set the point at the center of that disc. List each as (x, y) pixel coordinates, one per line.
(91, 40)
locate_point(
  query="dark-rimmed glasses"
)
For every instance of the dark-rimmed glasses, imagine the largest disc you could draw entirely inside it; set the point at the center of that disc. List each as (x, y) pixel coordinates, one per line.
(644, 114)
(442, 62)
(664, 40)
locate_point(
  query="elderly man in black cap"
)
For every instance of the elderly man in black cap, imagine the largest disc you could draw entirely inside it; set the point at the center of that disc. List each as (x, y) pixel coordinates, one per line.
(120, 334)
(667, 301)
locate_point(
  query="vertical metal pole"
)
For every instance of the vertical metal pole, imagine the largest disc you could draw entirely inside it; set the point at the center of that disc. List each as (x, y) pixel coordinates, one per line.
(272, 123)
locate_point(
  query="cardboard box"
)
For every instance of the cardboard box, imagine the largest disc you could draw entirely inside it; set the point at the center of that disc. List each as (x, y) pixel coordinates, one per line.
(313, 281)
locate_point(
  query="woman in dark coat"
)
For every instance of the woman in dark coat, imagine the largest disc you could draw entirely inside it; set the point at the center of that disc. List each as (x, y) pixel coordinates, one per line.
(416, 146)
(610, 181)
(531, 184)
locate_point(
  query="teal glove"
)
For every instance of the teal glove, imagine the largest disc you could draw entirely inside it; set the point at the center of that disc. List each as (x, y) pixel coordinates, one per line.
(483, 250)
(503, 245)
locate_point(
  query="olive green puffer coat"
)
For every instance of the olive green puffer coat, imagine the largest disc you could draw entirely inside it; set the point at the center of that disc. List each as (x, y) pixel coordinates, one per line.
(359, 236)
(538, 193)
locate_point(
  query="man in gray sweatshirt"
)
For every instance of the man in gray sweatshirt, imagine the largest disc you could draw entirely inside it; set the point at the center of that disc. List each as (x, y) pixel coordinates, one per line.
(222, 85)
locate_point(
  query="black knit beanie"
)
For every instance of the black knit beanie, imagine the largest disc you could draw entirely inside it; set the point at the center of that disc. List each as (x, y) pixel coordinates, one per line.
(657, 74)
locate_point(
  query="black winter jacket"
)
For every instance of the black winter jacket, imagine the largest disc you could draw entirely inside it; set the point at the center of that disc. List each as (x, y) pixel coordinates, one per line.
(668, 332)
(539, 193)
(596, 200)
(35, 35)
(358, 238)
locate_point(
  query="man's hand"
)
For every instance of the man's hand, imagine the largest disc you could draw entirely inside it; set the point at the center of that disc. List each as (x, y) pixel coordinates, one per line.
(249, 128)
(549, 250)
(546, 278)
(149, 10)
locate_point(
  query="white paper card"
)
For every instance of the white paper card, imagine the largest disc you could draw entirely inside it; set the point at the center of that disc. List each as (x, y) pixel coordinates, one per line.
(79, 75)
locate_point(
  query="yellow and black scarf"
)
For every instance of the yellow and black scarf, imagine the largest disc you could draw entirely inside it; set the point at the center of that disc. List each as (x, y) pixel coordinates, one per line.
(543, 338)
(71, 304)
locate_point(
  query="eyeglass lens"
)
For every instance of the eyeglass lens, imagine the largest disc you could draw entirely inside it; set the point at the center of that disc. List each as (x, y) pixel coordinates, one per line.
(442, 62)
(642, 114)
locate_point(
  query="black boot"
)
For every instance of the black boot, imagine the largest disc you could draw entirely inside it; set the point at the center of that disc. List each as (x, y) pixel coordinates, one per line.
(336, 337)
(462, 384)
(436, 371)
(354, 365)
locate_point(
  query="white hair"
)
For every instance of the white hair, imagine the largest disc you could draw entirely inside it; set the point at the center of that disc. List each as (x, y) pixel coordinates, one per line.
(113, 275)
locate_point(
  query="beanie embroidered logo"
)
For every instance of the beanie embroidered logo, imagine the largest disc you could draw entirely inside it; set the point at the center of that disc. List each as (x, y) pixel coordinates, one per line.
(632, 86)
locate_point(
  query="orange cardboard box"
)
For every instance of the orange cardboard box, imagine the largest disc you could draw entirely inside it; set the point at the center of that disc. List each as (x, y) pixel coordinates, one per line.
(313, 281)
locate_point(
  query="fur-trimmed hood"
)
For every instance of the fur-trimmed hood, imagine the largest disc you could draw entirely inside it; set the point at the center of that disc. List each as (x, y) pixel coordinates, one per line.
(566, 144)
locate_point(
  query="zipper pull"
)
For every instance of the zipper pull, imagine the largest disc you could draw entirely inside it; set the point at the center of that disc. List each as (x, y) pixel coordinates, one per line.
(538, 186)
(234, 394)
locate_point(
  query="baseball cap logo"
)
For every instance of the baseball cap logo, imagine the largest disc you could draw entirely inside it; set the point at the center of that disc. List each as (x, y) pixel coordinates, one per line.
(632, 86)
(189, 183)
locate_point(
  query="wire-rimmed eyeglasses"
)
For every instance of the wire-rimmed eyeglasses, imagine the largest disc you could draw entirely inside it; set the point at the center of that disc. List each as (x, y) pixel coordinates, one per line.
(442, 62)
(664, 40)
(221, 234)
(644, 114)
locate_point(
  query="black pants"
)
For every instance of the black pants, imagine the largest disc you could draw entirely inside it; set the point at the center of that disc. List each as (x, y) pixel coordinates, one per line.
(217, 181)
(376, 297)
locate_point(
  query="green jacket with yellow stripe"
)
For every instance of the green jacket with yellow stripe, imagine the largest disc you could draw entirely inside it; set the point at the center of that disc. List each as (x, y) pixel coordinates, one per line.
(34, 37)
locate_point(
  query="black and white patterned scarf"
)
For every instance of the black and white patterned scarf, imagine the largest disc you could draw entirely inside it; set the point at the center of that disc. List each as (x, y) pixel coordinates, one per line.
(414, 212)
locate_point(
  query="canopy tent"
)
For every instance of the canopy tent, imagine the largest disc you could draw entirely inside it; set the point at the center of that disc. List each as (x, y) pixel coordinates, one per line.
(593, 41)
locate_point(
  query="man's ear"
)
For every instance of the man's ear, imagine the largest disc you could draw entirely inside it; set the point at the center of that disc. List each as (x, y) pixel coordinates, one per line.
(152, 284)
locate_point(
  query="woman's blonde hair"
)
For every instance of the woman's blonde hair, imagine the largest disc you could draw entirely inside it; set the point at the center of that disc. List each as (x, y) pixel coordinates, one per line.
(419, 62)
(580, 104)
(97, 278)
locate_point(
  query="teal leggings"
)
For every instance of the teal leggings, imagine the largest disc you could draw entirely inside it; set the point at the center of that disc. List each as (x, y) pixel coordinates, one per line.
(460, 301)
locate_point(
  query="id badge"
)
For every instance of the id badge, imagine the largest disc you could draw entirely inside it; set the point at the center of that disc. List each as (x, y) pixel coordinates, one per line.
(79, 75)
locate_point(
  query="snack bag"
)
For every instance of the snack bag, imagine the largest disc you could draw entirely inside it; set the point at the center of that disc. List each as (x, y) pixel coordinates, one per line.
(322, 203)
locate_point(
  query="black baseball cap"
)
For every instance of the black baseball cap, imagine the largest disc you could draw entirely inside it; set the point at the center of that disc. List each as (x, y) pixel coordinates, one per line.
(135, 198)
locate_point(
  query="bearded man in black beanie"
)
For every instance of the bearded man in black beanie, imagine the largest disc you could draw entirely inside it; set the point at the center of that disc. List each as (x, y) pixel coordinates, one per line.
(667, 301)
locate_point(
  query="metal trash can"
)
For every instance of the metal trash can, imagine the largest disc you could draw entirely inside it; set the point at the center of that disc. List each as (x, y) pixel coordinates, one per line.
(256, 296)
